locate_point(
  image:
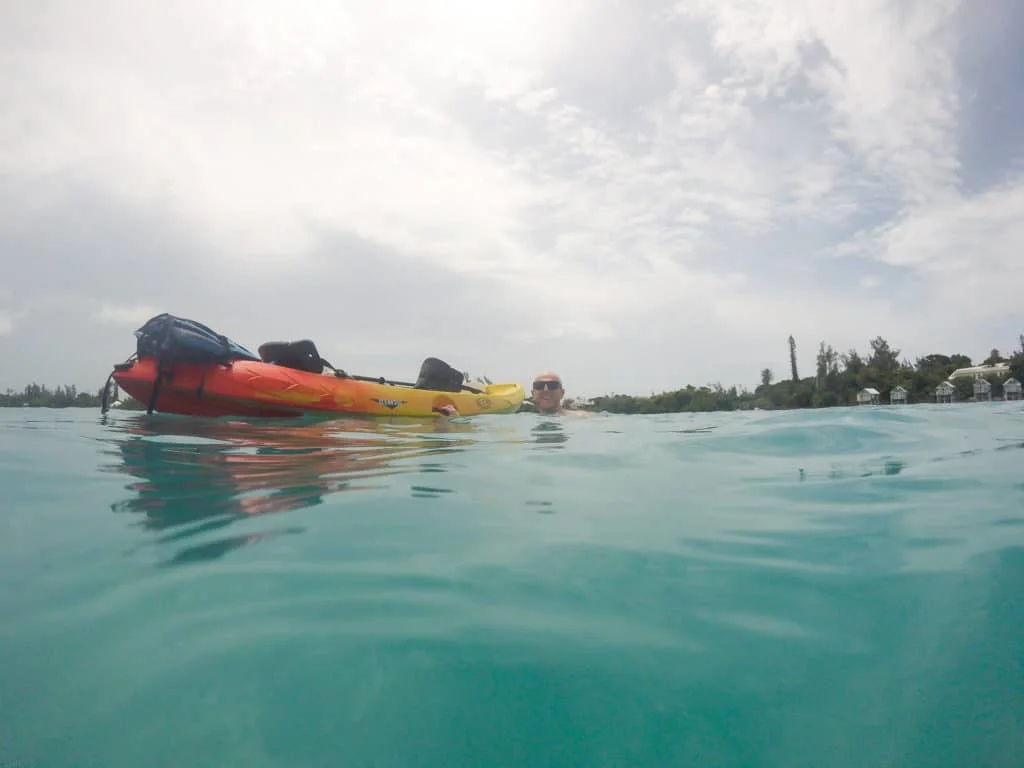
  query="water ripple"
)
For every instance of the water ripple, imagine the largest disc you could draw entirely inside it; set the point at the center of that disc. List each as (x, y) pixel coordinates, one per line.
(839, 588)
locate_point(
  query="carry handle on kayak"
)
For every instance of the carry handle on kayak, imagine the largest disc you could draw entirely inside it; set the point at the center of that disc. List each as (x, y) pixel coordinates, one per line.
(381, 380)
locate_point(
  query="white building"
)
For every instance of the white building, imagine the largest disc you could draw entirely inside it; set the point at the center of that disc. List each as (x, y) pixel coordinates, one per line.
(1011, 389)
(898, 395)
(979, 371)
(944, 392)
(867, 396)
(982, 390)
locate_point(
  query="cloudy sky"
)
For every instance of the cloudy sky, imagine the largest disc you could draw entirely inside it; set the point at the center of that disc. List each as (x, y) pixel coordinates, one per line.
(637, 194)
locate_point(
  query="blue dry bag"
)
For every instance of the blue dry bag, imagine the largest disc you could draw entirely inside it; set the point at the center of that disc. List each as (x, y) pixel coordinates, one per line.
(172, 339)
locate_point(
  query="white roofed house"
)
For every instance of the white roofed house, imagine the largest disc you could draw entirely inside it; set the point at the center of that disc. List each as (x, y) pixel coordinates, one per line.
(944, 392)
(867, 396)
(1011, 389)
(898, 395)
(982, 390)
(980, 371)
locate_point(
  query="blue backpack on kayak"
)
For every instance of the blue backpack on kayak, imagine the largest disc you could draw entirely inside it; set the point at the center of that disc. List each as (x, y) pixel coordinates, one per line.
(172, 340)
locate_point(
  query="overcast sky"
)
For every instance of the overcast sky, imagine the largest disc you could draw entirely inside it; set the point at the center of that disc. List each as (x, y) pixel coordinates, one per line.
(636, 194)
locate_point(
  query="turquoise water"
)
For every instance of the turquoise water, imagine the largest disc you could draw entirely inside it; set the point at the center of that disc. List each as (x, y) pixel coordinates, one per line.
(816, 588)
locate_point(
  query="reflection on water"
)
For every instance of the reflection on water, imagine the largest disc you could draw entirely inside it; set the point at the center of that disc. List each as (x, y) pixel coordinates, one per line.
(550, 435)
(197, 476)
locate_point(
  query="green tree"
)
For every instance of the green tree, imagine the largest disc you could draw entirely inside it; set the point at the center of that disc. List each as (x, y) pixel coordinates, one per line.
(994, 357)
(827, 364)
(960, 361)
(792, 359)
(1017, 362)
(964, 389)
(884, 360)
(39, 396)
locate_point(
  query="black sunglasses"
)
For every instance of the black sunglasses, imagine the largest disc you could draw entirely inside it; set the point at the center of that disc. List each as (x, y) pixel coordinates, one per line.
(547, 385)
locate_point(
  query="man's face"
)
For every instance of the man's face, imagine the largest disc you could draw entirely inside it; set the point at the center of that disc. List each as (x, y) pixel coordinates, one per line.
(547, 392)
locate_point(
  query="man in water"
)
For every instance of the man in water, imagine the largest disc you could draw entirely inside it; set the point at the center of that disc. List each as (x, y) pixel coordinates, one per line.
(547, 396)
(548, 393)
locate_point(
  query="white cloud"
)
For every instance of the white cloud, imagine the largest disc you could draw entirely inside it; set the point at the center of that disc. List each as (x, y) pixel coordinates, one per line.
(688, 176)
(983, 233)
(886, 73)
(8, 315)
(968, 249)
(869, 282)
(120, 315)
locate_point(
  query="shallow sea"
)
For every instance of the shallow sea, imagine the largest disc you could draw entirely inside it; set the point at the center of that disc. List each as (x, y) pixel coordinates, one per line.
(842, 587)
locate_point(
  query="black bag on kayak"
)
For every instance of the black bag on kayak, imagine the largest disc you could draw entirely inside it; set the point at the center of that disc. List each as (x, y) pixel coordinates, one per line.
(172, 339)
(436, 374)
(300, 355)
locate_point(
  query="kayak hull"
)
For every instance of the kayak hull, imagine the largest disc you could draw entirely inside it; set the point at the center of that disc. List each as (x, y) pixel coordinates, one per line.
(259, 389)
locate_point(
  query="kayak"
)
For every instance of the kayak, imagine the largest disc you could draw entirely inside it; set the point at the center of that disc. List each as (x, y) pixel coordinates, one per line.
(184, 367)
(256, 388)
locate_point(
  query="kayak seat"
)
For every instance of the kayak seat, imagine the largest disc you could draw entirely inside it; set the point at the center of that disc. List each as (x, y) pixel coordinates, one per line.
(301, 355)
(437, 375)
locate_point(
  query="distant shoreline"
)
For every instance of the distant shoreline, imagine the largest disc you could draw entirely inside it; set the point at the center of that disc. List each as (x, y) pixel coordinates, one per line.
(837, 381)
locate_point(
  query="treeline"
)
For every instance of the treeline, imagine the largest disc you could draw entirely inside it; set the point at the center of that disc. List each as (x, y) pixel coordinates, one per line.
(39, 396)
(838, 377)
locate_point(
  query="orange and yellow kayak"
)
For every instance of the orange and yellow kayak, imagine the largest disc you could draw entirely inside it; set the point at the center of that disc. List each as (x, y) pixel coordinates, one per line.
(256, 388)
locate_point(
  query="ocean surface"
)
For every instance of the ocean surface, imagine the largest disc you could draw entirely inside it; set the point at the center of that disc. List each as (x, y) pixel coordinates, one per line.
(842, 587)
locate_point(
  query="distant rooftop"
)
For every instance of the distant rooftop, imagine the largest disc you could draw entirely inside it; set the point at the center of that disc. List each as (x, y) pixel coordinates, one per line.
(977, 371)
